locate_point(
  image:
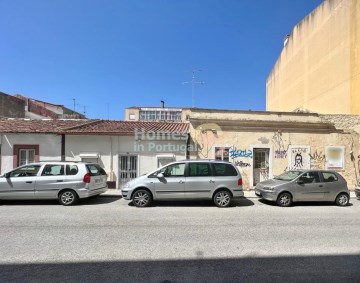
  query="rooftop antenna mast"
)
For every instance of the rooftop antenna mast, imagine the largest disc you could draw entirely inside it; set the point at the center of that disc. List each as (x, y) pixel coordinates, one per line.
(193, 82)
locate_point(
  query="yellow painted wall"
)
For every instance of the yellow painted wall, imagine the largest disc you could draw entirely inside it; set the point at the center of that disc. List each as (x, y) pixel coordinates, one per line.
(355, 56)
(318, 69)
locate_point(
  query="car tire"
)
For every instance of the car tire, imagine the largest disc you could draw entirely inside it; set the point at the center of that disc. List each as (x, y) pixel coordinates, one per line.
(222, 198)
(68, 197)
(342, 199)
(284, 200)
(142, 198)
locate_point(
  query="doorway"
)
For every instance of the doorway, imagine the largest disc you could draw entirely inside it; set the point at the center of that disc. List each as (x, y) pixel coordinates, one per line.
(128, 165)
(260, 165)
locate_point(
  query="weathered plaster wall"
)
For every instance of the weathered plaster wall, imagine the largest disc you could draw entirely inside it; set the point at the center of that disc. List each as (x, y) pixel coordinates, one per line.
(318, 69)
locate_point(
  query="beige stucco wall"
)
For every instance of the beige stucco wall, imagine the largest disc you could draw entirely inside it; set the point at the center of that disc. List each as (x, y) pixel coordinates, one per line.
(219, 128)
(318, 69)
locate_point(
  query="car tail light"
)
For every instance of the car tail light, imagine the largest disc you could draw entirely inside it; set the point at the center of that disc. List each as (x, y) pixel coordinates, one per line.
(240, 182)
(87, 178)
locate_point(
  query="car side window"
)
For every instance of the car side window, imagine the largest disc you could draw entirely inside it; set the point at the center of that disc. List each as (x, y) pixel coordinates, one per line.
(223, 169)
(53, 170)
(174, 170)
(199, 169)
(329, 177)
(310, 177)
(71, 169)
(25, 171)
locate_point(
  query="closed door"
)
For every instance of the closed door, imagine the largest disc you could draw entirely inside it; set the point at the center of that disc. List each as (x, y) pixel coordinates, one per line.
(50, 181)
(127, 168)
(260, 165)
(20, 183)
(311, 189)
(172, 185)
(199, 181)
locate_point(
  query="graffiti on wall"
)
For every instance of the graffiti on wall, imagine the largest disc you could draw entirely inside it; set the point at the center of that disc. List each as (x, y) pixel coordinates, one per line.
(235, 153)
(299, 157)
(240, 163)
(281, 150)
(280, 153)
(317, 159)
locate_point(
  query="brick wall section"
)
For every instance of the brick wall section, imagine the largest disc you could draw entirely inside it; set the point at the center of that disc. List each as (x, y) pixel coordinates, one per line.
(11, 107)
(40, 110)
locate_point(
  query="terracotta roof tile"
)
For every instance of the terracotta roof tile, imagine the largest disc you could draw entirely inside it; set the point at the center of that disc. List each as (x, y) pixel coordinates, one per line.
(83, 127)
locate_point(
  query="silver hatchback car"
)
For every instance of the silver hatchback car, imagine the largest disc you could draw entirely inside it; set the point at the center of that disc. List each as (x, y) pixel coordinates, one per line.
(65, 181)
(187, 180)
(305, 185)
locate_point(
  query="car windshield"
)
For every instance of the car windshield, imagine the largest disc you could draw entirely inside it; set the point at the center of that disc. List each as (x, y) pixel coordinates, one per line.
(288, 176)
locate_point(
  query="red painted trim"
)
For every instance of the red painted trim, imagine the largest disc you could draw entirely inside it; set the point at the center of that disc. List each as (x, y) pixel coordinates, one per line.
(16, 149)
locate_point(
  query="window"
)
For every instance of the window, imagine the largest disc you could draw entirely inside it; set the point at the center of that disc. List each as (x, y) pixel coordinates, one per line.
(199, 169)
(155, 115)
(174, 170)
(25, 154)
(95, 170)
(222, 169)
(26, 171)
(53, 170)
(222, 153)
(310, 177)
(71, 170)
(329, 177)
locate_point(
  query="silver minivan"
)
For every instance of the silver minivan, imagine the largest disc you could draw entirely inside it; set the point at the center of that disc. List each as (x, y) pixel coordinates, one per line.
(187, 180)
(65, 181)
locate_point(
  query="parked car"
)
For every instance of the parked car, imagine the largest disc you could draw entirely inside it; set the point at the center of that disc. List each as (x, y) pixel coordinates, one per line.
(357, 192)
(305, 185)
(187, 180)
(65, 181)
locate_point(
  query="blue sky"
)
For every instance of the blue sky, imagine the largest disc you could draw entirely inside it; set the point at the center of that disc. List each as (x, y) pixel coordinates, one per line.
(113, 54)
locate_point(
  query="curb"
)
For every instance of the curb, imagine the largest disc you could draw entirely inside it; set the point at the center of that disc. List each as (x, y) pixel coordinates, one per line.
(247, 194)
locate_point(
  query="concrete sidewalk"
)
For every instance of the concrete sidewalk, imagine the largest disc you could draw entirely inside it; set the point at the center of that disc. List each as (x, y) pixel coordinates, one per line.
(247, 194)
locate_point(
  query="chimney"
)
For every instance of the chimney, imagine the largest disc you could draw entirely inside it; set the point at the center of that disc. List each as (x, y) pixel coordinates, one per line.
(286, 39)
(162, 103)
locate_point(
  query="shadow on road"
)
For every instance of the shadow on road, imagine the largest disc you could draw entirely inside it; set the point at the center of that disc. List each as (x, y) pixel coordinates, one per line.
(342, 268)
(88, 201)
(309, 203)
(198, 203)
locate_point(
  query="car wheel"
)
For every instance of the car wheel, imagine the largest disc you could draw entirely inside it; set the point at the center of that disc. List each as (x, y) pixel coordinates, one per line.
(342, 200)
(284, 200)
(222, 199)
(142, 198)
(68, 197)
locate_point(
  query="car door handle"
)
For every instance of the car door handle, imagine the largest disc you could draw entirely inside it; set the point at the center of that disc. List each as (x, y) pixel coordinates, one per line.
(59, 180)
(321, 186)
(211, 181)
(181, 182)
(28, 182)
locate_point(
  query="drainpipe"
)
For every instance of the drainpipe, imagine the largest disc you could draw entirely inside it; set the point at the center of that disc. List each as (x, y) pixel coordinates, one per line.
(62, 147)
(188, 147)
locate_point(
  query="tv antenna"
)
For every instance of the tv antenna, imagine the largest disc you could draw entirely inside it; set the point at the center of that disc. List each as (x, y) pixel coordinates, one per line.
(193, 82)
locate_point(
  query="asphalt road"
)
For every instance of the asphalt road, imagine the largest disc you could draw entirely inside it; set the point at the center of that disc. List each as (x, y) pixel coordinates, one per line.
(106, 239)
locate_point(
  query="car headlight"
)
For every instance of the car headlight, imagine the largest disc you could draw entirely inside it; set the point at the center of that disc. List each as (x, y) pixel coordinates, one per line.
(268, 189)
(127, 185)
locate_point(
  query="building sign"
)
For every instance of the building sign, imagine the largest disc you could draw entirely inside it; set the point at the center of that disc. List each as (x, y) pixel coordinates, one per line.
(335, 156)
(299, 157)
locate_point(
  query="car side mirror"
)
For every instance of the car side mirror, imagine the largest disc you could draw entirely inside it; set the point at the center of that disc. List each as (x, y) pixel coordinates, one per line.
(160, 175)
(300, 182)
(7, 175)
